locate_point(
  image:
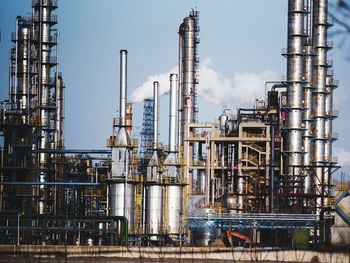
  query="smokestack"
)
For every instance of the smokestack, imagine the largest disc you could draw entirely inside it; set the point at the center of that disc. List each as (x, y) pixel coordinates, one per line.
(123, 85)
(155, 108)
(172, 112)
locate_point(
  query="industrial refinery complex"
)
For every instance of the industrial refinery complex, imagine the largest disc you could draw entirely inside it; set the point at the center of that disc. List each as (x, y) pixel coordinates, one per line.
(260, 177)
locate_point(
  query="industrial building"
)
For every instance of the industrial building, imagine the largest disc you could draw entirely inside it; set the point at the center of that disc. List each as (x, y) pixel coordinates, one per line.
(258, 177)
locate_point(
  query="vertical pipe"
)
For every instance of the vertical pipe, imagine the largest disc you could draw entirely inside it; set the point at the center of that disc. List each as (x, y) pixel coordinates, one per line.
(179, 96)
(295, 96)
(309, 18)
(123, 85)
(58, 88)
(207, 170)
(11, 81)
(273, 124)
(155, 110)
(172, 112)
(14, 93)
(29, 62)
(59, 114)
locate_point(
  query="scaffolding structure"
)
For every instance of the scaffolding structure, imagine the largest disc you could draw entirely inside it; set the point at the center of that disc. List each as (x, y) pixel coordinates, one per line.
(147, 132)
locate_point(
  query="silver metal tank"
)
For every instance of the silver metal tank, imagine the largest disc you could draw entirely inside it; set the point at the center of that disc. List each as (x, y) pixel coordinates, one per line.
(174, 208)
(154, 211)
(232, 126)
(223, 118)
(205, 235)
(231, 202)
(201, 180)
(122, 201)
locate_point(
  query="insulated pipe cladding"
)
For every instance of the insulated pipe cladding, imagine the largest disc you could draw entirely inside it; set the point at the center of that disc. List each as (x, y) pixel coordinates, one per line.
(123, 85)
(172, 113)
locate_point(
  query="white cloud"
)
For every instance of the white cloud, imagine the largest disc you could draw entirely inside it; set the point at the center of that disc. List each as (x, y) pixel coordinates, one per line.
(240, 90)
(146, 89)
(343, 156)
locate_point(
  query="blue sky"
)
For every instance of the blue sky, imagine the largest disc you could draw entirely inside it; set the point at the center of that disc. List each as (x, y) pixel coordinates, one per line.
(241, 43)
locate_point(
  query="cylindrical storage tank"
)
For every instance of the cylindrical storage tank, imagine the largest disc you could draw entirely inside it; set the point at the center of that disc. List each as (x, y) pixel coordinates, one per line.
(231, 202)
(174, 208)
(123, 205)
(154, 211)
(201, 180)
(272, 99)
(205, 235)
(232, 126)
(222, 121)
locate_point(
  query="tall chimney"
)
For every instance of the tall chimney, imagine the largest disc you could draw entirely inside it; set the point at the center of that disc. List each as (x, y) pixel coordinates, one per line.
(155, 107)
(123, 85)
(172, 112)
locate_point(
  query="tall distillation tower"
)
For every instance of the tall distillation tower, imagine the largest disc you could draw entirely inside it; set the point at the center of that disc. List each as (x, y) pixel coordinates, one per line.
(187, 92)
(33, 116)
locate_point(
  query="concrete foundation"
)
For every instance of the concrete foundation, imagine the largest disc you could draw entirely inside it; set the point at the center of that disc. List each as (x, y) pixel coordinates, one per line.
(43, 254)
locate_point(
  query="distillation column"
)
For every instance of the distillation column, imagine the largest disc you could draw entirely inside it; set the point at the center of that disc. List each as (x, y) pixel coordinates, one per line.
(188, 63)
(43, 20)
(23, 43)
(320, 27)
(153, 184)
(295, 90)
(121, 188)
(18, 134)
